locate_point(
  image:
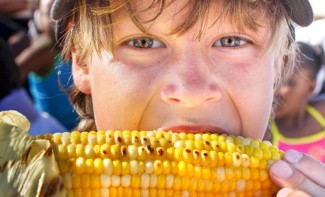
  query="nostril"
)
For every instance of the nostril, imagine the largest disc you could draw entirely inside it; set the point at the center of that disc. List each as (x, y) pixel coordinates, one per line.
(174, 100)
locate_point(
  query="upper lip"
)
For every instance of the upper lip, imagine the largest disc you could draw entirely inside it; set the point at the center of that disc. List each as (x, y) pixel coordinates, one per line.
(195, 129)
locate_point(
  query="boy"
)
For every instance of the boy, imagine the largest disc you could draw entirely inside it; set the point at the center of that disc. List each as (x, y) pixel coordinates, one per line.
(185, 66)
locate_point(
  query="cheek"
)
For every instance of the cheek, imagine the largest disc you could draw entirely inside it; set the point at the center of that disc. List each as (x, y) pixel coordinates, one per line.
(120, 94)
(253, 96)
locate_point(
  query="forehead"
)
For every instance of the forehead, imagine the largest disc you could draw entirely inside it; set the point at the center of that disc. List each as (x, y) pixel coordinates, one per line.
(184, 14)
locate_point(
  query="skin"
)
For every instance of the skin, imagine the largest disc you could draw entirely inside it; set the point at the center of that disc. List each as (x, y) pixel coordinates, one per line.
(187, 84)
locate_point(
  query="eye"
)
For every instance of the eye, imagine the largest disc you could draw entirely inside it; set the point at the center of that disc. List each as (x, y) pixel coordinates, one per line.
(145, 43)
(230, 41)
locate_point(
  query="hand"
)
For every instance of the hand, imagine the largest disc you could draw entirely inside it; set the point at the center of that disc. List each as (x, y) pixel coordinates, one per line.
(299, 174)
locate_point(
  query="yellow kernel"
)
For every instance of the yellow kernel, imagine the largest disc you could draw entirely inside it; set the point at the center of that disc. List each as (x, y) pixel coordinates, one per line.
(177, 183)
(99, 167)
(105, 149)
(182, 168)
(205, 157)
(75, 181)
(63, 152)
(117, 167)
(57, 138)
(80, 151)
(206, 172)
(158, 167)
(84, 138)
(89, 165)
(75, 137)
(135, 181)
(246, 173)
(89, 151)
(166, 167)
(85, 181)
(80, 165)
(258, 153)
(115, 151)
(101, 138)
(161, 182)
(125, 168)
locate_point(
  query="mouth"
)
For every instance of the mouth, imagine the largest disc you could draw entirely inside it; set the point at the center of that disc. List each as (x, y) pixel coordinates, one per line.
(195, 129)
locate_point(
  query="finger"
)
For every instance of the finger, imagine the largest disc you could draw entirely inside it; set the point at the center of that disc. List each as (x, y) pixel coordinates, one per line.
(307, 165)
(285, 175)
(288, 192)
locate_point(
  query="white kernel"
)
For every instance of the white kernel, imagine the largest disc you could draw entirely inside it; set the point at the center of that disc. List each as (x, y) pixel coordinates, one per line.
(132, 152)
(179, 144)
(185, 193)
(245, 161)
(89, 151)
(108, 166)
(104, 192)
(149, 167)
(134, 167)
(229, 139)
(126, 180)
(144, 192)
(246, 142)
(169, 181)
(268, 143)
(241, 185)
(153, 181)
(105, 180)
(67, 181)
(65, 138)
(198, 136)
(92, 139)
(145, 180)
(221, 176)
(115, 180)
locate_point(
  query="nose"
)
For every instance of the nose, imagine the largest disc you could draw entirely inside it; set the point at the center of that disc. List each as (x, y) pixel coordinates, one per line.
(191, 84)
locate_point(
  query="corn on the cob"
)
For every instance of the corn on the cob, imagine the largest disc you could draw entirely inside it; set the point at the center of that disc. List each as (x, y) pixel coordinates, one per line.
(159, 163)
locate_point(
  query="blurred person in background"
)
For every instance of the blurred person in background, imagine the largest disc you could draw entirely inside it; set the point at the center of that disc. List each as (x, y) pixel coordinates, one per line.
(314, 34)
(299, 123)
(49, 77)
(14, 97)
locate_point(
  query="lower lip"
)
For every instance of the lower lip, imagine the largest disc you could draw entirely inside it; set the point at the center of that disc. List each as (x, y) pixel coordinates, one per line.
(194, 129)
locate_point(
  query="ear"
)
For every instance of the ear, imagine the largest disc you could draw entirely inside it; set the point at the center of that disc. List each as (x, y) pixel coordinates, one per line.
(313, 84)
(80, 75)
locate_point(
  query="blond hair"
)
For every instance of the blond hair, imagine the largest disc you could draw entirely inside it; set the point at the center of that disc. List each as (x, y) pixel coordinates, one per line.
(91, 30)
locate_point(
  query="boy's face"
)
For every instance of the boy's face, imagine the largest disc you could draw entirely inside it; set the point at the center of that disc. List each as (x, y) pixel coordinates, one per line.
(295, 93)
(220, 83)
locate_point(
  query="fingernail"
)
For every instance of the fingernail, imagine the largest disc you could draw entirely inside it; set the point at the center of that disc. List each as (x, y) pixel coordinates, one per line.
(281, 169)
(292, 156)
